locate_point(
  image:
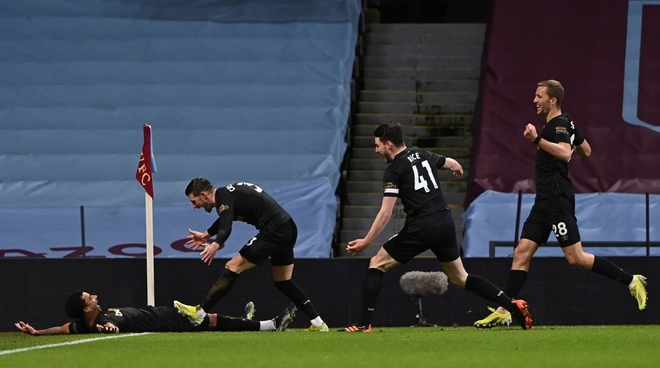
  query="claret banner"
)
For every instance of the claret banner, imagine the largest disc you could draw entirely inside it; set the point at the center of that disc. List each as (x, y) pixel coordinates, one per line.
(607, 56)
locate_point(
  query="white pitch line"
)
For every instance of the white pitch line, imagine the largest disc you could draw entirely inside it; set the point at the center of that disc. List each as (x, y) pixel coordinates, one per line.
(6, 352)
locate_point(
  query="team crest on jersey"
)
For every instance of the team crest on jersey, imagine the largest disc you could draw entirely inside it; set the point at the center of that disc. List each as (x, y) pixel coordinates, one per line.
(561, 130)
(222, 208)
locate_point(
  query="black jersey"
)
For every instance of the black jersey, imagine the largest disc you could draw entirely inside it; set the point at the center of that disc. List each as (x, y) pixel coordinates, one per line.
(248, 203)
(551, 173)
(128, 319)
(413, 177)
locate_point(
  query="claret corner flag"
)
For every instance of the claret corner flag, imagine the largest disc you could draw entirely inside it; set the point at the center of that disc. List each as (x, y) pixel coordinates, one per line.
(146, 168)
(144, 175)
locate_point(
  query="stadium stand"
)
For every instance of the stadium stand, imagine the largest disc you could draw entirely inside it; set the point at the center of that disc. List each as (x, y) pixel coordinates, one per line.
(255, 91)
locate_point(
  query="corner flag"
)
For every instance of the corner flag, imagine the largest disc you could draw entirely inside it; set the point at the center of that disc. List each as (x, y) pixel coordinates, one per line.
(144, 174)
(146, 168)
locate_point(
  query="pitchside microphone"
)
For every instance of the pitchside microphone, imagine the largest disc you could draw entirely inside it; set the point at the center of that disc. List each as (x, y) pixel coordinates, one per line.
(421, 284)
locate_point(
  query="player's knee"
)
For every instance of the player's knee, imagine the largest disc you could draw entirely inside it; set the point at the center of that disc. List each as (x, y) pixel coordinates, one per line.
(232, 266)
(522, 253)
(381, 265)
(579, 262)
(238, 264)
(457, 280)
(522, 258)
(574, 262)
(457, 277)
(382, 261)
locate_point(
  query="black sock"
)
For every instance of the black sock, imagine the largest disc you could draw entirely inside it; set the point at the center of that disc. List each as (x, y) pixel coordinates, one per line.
(298, 297)
(370, 291)
(515, 282)
(487, 290)
(605, 267)
(219, 289)
(236, 324)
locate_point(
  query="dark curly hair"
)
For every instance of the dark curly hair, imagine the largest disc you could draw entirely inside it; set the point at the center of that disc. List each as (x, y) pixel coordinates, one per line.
(75, 305)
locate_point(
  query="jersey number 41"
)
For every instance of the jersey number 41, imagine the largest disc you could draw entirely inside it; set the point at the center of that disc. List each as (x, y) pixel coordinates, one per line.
(420, 181)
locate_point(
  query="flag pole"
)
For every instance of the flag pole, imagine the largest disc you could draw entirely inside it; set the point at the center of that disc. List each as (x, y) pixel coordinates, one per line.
(149, 210)
(144, 175)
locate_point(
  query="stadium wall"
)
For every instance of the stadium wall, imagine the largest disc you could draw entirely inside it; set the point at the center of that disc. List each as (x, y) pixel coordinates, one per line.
(34, 290)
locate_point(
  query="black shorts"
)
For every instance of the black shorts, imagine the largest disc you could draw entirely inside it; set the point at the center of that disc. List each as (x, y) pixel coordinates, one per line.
(278, 245)
(436, 233)
(552, 215)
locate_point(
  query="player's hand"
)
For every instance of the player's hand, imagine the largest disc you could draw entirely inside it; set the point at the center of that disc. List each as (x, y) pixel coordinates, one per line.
(356, 246)
(530, 132)
(458, 172)
(108, 328)
(26, 328)
(196, 239)
(209, 252)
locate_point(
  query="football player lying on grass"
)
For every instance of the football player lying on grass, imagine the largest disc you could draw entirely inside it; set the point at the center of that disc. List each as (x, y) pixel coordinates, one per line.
(90, 318)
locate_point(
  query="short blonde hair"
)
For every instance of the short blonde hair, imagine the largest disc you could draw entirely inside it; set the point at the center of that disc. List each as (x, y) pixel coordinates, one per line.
(554, 89)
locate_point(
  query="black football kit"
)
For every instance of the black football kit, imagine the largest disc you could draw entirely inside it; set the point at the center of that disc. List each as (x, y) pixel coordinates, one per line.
(413, 177)
(249, 203)
(147, 319)
(554, 205)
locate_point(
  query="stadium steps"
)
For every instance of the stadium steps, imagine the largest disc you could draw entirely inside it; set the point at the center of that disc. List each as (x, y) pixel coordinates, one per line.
(425, 76)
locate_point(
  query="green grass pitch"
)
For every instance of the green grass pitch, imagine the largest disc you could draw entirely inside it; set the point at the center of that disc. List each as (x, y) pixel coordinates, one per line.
(543, 346)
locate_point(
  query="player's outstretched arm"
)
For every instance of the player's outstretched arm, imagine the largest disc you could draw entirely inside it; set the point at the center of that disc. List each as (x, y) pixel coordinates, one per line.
(384, 215)
(56, 330)
(454, 166)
